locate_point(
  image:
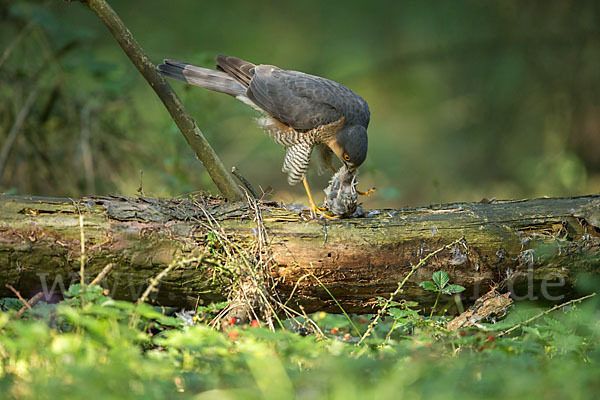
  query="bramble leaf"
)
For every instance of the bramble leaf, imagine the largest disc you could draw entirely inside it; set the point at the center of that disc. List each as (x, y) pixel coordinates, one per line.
(455, 288)
(441, 278)
(428, 285)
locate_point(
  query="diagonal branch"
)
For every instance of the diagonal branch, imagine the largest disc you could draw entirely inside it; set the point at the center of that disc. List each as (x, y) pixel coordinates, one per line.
(220, 176)
(16, 127)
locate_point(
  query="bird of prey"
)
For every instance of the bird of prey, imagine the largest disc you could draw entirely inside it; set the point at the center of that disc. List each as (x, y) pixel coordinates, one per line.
(302, 112)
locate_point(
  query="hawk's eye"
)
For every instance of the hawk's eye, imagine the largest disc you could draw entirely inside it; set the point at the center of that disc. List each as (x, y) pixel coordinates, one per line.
(346, 157)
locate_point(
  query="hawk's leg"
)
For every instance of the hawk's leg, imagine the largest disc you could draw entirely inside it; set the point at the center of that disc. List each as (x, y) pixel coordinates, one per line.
(314, 208)
(310, 199)
(367, 193)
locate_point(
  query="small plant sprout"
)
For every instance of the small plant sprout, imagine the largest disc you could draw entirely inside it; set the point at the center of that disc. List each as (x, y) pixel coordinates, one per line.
(440, 285)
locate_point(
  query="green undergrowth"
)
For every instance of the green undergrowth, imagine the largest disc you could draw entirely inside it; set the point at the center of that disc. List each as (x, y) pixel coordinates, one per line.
(109, 349)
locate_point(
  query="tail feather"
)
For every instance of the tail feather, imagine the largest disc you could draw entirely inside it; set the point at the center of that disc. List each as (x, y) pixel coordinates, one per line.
(239, 69)
(203, 77)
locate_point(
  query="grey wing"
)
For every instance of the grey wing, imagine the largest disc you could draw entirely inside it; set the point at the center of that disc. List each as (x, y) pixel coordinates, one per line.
(299, 100)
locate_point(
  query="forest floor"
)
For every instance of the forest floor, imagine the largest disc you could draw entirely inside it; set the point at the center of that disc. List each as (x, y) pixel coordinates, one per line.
(105, 348)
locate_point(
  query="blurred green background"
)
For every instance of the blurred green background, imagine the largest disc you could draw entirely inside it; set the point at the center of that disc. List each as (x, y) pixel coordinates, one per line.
(469, 99)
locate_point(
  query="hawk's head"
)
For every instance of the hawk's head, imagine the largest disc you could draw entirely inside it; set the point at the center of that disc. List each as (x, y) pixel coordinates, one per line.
(351, 146)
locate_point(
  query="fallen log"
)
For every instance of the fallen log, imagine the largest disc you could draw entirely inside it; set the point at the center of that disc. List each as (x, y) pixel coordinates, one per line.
(531, 248)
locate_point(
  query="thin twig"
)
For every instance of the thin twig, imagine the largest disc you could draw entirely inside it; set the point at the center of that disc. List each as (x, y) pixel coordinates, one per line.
(205, 153)
(13, 45)
(389, 334)
(244, 182)
(82, 251)
(317, 330)
(26, 109)
(82, 259)
(86, 149)
(251, 264)
(387, 303)
(296, 285)
(545, 313)
(16, 292)
(174, 264)
(16, 127)
(32, 302)
(338, 304)
(102, 274)
(156, 280)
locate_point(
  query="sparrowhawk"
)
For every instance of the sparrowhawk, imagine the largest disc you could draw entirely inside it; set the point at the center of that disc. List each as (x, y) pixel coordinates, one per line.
(302, 112)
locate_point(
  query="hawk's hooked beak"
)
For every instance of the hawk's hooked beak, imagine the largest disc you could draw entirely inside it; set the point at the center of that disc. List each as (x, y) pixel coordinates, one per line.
(350, 167)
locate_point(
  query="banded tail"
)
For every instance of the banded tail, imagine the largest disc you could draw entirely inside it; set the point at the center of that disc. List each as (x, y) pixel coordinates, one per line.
(203, 77)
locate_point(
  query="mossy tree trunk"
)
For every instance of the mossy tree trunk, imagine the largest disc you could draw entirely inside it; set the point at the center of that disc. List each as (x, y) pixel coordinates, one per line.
(541, 245)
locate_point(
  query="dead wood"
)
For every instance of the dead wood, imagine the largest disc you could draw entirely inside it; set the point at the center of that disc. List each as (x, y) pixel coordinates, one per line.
(532, 248)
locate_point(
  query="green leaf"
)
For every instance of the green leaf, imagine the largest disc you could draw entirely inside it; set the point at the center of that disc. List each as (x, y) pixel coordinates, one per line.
(455, 288)
(212, 307)
(532, 330)
(9, 303)
(73, 291)
(428, 285)
(400, 314)
(441, 278)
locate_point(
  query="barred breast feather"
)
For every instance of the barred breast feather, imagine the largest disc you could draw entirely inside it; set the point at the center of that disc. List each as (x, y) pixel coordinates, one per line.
(298, 144)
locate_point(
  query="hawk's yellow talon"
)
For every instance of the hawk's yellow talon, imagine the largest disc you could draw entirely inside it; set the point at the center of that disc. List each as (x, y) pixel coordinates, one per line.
(367, 193)
(313, 207)
(321, 211)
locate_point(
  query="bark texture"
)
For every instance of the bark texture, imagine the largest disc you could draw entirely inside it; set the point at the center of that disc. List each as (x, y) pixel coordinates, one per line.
(543, 246)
